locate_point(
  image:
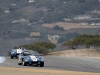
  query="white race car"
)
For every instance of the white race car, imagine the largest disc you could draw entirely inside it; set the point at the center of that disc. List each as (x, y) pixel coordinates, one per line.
(16, 52)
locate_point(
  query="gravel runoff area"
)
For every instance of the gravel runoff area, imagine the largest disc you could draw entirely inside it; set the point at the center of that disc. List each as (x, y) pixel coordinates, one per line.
(25, 71)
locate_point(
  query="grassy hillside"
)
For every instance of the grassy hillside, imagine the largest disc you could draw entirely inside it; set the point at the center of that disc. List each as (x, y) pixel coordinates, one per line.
(40, 11)
(18, 18)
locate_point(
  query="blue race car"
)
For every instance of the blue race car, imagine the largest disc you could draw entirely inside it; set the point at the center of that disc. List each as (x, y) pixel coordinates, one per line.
(16, 52)
(30, 57)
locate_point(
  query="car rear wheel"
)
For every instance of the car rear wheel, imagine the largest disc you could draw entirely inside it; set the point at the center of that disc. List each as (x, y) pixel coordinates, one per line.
(42, 64)
(19, 63)
(11, 57)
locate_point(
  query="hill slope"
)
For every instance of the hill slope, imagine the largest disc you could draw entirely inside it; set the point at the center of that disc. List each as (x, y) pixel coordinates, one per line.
(19, 18)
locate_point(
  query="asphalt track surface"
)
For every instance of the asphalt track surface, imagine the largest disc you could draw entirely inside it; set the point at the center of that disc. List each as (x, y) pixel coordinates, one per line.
(79, 64)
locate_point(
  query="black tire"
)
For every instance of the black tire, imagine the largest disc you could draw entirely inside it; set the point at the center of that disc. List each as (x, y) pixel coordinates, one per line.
(30, 64)
(36, 65)
(42, 64)
(24, 63)
(11, 57)
(19, 63)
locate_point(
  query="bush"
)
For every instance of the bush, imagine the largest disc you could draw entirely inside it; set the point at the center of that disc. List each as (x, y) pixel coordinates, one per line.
(41, 47)
(58, 28)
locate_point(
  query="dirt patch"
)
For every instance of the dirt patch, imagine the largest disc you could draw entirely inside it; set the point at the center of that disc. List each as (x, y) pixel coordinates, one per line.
(24, 71)
(68, 26)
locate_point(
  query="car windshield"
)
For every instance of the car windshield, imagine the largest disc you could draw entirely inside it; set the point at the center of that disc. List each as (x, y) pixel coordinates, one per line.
(30, 53)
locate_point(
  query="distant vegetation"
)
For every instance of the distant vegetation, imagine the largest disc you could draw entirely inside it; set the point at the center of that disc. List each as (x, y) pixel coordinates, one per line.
(87, 40)
(59, 9)
(42, 11)
(58, 28)
(67, 37)
(41, 47)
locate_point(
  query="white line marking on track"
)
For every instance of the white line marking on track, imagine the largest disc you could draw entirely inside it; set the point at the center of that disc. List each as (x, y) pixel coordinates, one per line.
(2, 59)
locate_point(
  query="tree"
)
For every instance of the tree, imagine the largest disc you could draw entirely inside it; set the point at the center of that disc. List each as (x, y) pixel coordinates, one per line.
(58, 28)
(88, 40)
(51, 45)
(70, 44)
(41, 47)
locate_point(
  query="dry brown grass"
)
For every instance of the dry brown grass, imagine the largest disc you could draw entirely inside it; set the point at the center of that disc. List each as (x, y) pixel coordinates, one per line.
(25, 71)
(68, 26)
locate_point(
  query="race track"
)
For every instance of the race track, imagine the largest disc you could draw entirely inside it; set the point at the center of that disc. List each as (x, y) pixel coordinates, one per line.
(80, 64)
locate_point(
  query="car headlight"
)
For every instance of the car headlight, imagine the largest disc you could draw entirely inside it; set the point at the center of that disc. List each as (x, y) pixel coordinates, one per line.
(41, 58)
(12, 52)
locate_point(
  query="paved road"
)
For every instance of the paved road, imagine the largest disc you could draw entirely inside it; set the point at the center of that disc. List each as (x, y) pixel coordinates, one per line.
(81, 64)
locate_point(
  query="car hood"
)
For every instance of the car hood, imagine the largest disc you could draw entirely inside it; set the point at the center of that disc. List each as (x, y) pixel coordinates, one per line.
(33, 58)
(36, 58)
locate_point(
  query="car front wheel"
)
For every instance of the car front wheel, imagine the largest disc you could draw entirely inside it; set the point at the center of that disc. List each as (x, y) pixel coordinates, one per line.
(42, 64)
(19, 63)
